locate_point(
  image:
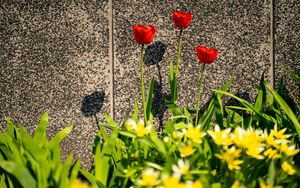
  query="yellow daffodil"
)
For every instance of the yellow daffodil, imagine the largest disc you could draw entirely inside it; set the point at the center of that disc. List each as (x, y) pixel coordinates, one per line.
(250, 140)
(177, 135)
(262, 184)
(255, 152)
(196, 184)
(237, 184)
(141, 130)
(272, 154)
(130, 124)
(183, 167)
(288, 168)
(279, 135)
(149, 177)
(289, 150)
(221, 137)
(239, 138)
(270, 140)
(78, 184)
(170, 181)
(230, 157)
(194, 134)
(186, 150)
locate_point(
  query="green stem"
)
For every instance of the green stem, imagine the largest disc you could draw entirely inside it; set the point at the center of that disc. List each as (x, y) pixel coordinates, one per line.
(199, 93)
(143, 82)
(177, 64)
(178, 52)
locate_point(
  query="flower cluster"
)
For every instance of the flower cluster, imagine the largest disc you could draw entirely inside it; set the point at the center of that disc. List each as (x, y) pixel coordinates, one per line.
(256, 144)
(138, 128)
(152, 177)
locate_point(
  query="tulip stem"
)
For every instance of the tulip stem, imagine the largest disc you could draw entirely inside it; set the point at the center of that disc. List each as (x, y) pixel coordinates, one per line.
(199, 93)
(179, 51)
(142, 80)
(177, 64)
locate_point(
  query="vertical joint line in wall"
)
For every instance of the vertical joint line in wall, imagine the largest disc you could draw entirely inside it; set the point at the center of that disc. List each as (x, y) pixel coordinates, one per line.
(272, 44)
(111, 58)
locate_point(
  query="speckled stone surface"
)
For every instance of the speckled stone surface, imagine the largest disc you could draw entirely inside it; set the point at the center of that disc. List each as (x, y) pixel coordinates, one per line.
(240, 30)
(54, 57)
(287, 43)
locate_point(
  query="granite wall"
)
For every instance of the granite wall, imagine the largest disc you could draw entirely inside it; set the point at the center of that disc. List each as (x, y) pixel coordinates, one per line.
(77, 59)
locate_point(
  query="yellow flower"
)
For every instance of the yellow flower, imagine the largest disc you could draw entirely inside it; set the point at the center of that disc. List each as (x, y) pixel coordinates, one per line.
(196, 184)
(280, 134)
(288, 168)
(237, 184)
(255, 152)
(250, 140)
(177, 135)
(130, 124)
(262, 184)
(186, 150)
(78, 184)
(141, 130)
(149, 178)
(289, 150)
(170, 181)
(272, 154)
(194, 134)
(272, 141)
(230, 156)
(221, 137)
(182, 168)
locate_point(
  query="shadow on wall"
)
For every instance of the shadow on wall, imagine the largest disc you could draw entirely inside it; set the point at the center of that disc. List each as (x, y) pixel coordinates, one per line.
(153, 55)
(92, 104)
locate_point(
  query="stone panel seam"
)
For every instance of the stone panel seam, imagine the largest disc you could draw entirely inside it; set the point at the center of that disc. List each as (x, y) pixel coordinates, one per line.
(272, 43)
(111, 58)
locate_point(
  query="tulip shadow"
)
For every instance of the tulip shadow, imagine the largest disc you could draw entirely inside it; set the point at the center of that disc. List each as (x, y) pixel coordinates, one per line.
(92, 104)
(153, 56)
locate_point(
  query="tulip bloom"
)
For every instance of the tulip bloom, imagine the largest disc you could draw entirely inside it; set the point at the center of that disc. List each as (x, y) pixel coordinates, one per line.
(143, 34)
(182, 19)
(206, 55)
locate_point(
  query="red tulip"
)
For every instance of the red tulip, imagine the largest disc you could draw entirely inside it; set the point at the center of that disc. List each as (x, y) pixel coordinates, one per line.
(182, 19)
(206, 55)
(143, 34)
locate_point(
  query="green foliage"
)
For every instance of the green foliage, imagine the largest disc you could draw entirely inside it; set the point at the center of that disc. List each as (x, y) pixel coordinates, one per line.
(33, 161)
(127, 157)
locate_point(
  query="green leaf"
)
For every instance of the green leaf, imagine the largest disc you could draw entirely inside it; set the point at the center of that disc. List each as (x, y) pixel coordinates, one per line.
(285, 108)
(40, 132)
(11, 127)
(110, 121)
(249, 106)
(261, 96)
(208, 114)
(102, 158)
(149, 99)
(218, 109)
(92, 179)
(173, 83)
(135, 115)
(173, 107)
(2, 181)
(271, 173)
(21, 173)
(54, 144)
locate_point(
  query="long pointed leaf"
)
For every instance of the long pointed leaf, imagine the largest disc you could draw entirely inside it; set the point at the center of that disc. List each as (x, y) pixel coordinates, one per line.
(20, 172)
(285, 107)
(149, 99)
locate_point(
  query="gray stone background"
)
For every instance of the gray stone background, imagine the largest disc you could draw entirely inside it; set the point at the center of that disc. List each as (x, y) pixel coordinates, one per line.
(77, 59)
